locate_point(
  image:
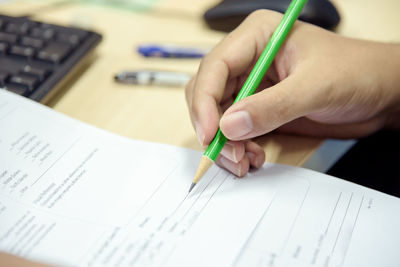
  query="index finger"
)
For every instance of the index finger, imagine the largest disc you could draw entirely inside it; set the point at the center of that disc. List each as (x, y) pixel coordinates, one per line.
(230, 58)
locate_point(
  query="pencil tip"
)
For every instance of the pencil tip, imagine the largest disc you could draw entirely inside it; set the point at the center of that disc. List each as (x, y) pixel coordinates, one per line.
(191, 187)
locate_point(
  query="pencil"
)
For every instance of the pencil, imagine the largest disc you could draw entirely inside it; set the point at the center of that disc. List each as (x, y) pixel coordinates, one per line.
(253, 81)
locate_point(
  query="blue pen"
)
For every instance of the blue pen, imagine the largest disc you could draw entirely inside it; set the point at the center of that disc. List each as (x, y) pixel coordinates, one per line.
(170, 51)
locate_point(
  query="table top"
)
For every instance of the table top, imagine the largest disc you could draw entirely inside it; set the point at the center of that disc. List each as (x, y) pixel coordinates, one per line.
(160, 114)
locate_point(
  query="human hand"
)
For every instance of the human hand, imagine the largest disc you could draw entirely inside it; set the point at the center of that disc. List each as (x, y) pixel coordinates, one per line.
(320, 84)
(14, 261)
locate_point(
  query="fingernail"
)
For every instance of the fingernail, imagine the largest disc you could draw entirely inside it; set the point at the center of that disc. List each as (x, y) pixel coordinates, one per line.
(240, 170)
(257, 163)
(229, 152)
(229, 165)
(199, 133)
(237, 124)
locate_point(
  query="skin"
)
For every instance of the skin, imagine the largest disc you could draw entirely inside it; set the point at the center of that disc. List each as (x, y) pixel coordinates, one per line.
(321, 84)
(14, 261)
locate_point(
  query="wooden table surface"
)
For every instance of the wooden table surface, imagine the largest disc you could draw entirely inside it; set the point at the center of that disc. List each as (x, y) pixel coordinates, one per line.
(160, 114)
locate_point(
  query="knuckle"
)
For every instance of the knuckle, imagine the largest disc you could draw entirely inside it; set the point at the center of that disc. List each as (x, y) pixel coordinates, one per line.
(265, 15)
(259, 13)
(206, 59)
(195, 108)
(188, 90)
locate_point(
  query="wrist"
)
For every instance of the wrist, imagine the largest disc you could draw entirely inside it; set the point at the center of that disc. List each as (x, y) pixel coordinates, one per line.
(378, 68)
(390, 80)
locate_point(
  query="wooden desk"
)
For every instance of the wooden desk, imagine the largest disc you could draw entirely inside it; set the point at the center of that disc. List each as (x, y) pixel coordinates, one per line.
(159, 114)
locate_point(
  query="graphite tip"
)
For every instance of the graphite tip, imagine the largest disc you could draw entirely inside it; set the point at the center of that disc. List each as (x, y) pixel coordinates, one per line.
(191, 187)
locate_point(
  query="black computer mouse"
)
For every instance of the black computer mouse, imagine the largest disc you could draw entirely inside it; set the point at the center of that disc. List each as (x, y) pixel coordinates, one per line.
(230, 13)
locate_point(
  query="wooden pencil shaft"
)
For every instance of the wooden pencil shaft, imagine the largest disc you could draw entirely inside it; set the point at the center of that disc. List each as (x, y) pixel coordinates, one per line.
(205, 164)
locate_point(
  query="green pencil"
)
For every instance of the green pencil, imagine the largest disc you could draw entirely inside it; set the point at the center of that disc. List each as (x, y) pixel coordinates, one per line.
(252, 82)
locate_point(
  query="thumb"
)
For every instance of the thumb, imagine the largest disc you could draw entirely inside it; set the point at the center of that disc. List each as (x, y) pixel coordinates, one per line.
(269, 109)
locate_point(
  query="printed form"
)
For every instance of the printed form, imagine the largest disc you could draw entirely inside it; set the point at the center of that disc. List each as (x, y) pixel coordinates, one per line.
(74, 195)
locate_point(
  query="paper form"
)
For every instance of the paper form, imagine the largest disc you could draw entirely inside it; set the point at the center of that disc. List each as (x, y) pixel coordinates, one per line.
(75, 195)
(316, 220)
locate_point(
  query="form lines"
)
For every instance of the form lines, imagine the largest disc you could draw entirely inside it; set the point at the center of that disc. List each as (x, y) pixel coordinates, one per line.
(151, 196)
(352, 230)
(254, 230)
(51, 166)
(201, 210)
(212, 195)
(341, 225)
(294, 221)
(334, 210)
(198, 197)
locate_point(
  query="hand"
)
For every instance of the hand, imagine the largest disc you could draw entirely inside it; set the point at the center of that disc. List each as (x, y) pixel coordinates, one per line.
(320, 84)
(14, 261)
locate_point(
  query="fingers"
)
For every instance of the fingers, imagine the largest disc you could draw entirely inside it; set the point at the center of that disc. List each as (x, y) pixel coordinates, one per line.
(239, 169)
(250, 155)
(216, 80)
(234, 151)
(269, 109)
(208, 92)
(255, 153)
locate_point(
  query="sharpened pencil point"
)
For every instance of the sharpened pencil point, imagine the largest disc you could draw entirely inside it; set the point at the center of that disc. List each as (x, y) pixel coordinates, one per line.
(191, 187)
(204, 165)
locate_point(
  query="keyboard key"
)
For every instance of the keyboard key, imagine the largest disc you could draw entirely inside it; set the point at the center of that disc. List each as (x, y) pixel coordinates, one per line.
(3, 78)
(18, 28)
(32, 42)
(54, 52)
(28, 81)
(18, 89)
(42, 33)
(3, 48)
(8, 37)
(35, 56)
(40, 74)
(64, 31)
(70, 31)
(22, 51)
(72, 39)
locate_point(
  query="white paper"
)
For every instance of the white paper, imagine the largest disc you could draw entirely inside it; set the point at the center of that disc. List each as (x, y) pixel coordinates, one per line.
(75, 195)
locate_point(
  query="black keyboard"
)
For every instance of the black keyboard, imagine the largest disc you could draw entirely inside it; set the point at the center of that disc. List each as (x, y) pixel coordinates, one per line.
(37, 58)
